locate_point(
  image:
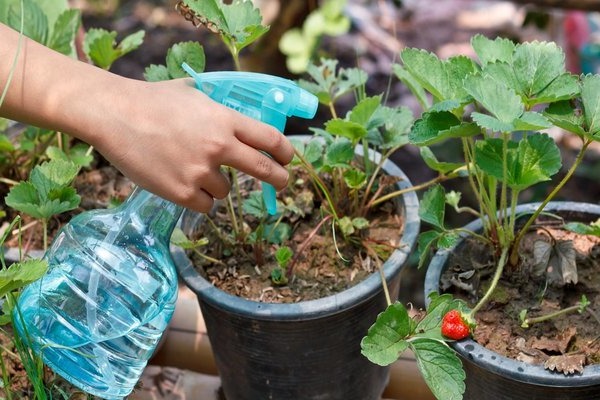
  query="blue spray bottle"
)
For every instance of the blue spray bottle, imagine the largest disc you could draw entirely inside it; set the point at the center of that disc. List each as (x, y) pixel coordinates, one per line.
(110, 291)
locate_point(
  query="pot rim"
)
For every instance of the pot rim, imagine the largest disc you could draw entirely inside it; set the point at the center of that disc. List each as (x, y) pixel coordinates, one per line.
(310, 309)
(501, 365)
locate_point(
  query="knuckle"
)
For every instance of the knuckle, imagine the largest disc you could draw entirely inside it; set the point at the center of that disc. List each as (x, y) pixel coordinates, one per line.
(264, 167)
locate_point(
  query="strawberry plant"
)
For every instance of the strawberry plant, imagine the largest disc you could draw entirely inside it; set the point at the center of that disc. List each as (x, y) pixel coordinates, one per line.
(498, 107)
(46, 193)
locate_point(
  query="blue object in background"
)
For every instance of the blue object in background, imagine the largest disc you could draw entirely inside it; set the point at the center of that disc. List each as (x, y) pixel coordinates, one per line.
(111, 287)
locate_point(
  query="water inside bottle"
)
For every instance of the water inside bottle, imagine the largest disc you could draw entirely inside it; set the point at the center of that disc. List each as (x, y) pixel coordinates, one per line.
(100, 310)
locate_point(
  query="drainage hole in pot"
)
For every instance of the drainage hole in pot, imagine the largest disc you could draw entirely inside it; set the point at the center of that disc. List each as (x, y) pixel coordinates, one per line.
(469, 347)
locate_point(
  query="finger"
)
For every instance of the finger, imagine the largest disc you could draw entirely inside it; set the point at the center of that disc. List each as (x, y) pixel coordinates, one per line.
(266, 138)
(202, 202)
(216, 184)
(252, 162)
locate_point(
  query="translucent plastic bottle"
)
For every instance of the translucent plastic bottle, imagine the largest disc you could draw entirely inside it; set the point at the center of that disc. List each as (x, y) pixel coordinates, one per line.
(99, 312)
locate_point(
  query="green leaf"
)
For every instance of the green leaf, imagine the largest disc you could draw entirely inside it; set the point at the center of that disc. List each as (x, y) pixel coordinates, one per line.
(349, 79)
(20, 274)
(283, 255)
(78, 154)
(46, 193)
(563, 87)
(336, 22)
(489, 51)
(360, 223)
(412, 84)
(348, 129)
(533, 159)
(5, 144)
(584, 229)
(209, 12)
(564, 115)
(254, 205)
(340, 153)
(440, 367)
(64, 32)
(346, 226)
(53, 174)
(434, 127)
(443, 79)
(294, 43)
(23, 197)
(501, 101)
(448, 239)
(178, 238)
(397, 122)
(278, 233)
(590, 86)
(35, 22)
(238, 23)
(328, 84)
(536, 65)
(531, 121)
(313, 151)
(364, 110)
(432, 207)
(191, 53)
(324, 80)
(243, 23)
(503, 74)
(386, 338)
(354, 178)
(131, 42)
(99, 46)
(433, 163)
(493, 124)
(156, 73)
(425, 242)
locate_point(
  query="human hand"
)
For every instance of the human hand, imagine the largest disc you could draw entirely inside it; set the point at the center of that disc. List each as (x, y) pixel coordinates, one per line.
(171, 139)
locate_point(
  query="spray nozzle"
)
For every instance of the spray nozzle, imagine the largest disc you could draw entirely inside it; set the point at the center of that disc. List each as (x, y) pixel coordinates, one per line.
(267, 98)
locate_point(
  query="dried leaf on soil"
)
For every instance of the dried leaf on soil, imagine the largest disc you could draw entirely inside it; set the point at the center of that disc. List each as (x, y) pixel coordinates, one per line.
(567, 364)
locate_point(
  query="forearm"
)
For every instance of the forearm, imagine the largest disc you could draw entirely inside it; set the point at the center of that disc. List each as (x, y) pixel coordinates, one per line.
(51, 90)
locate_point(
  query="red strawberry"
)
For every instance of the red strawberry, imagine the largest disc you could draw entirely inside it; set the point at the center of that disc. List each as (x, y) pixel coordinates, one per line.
(454, 326)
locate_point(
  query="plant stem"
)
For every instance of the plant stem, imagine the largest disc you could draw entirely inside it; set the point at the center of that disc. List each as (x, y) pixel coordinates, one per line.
(332, 110)
(208, 258)
(481, 238)
(9, 182)
(530, 321)
(304, 244)
(45, 229)
(319, 183)
(506, 234)
(479, 194)
(514, 255)
(494, 283)
(431, 182)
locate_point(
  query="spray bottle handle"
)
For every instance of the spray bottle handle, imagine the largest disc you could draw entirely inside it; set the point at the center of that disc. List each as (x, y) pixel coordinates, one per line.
(267, 98)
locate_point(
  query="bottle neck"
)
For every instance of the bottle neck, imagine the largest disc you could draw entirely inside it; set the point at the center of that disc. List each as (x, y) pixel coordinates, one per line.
(159, 216)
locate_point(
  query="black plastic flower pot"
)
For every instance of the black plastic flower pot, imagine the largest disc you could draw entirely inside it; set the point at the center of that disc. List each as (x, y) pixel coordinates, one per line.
(305, 350)
(491, 376)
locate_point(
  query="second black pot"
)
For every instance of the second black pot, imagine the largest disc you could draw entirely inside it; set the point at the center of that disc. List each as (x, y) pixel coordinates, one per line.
(491, 376)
